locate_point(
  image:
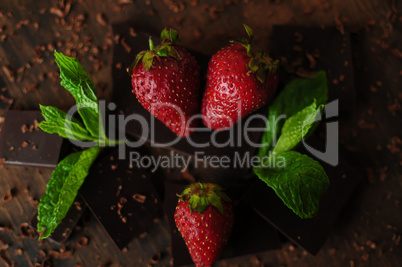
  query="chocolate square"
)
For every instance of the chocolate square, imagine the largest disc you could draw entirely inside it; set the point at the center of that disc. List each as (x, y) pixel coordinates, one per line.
(302, 49)
(23, 143)
(66, 226)
(250, 234)
(122, 197)
(309, 234)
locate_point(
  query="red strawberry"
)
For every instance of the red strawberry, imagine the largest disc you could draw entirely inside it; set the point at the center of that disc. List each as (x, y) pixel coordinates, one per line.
(166, 81)
(240, 80)
(204, 217)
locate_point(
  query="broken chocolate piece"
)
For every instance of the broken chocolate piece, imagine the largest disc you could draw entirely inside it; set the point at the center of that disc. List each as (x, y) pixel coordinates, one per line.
(23, 143)
(66, 226)
(320, 49)
(250, 234)
(121, 196)
(310, 234)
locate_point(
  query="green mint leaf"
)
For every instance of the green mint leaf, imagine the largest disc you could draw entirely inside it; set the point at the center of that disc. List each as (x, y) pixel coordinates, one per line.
(297, 95)
(300, 184)
(80, 84)
(296, 127)
(62, 189)
(57, 121)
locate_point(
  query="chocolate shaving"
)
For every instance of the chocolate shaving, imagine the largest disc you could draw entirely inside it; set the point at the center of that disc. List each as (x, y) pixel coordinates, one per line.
(6, 260)
(3, 246)
(156, 258)
(125, 45)
(61, 254)
(24, 128)
(26, 231)
(9, 73)
(310, 58)
(25, 144)
(101, 19)
(139, 198)
(339, 24)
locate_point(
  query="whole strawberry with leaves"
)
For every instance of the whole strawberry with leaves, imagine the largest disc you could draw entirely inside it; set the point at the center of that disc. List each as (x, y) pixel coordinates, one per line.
(204, 217)
(240, 80)
(166, 81)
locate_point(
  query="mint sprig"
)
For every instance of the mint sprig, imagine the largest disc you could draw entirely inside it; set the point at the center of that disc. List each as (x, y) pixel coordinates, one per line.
(70, 173)
(301, 183)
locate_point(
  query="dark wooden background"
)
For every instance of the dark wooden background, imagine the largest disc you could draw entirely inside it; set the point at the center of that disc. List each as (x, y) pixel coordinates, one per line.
(369, 229)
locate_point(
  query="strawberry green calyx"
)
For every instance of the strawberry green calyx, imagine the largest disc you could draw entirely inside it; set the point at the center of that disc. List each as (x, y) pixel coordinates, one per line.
(201, 195)
(260, 63)
(169, 39)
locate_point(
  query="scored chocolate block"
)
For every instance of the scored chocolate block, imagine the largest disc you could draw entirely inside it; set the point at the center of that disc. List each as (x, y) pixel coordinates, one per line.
(23, 143)
(310, 234)
(303, 49)
(121, 196)
(250, 234)
(67, 225)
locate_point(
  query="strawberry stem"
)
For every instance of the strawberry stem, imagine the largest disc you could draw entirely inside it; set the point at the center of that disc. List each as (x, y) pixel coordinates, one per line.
(151, 44)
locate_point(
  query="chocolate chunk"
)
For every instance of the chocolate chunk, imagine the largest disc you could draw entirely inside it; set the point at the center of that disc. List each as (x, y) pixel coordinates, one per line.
(320, 49)
(23, 143)
(310, 234)
(250, 234)
(66, 226)
(121, 196)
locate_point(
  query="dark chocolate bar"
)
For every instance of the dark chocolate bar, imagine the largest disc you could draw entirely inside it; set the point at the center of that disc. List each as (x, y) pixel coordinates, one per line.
(303, 49)
(250, 234)
(66, 226)
(299, 45)
(310, 234)
(121, 196)
(23, 143)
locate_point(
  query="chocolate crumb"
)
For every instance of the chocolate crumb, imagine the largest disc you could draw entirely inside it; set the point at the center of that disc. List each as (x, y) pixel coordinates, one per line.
(82, 242)
(24, 144)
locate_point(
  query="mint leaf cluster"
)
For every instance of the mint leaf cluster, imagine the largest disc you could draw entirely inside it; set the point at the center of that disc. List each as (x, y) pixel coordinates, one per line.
(70, 173)
(303, 181)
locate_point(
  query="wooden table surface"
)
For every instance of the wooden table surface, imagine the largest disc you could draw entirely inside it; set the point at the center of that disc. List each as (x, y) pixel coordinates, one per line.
(368, 232)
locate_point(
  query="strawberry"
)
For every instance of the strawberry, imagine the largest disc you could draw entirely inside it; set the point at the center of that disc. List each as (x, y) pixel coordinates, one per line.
(240, 80)
(166, 81)
(204, 217)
